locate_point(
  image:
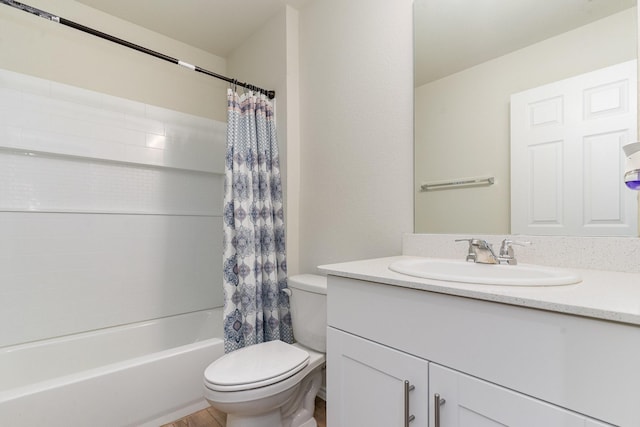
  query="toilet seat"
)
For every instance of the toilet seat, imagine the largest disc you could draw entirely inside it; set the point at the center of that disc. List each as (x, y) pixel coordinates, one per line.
(255, 366)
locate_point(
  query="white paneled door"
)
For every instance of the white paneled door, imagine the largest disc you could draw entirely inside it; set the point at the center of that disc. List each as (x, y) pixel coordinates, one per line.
(566, 155)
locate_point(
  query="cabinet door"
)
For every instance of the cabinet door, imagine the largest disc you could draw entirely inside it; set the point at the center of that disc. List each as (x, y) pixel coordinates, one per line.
(470, 402)
(366, 384)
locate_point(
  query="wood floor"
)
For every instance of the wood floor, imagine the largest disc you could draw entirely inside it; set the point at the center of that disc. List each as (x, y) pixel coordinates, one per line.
(211, 417)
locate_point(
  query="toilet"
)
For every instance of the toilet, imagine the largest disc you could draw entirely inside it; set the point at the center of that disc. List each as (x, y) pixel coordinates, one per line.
(275, 384)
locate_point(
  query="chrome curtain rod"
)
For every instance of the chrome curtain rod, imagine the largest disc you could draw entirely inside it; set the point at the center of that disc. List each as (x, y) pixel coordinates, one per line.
(46, 15)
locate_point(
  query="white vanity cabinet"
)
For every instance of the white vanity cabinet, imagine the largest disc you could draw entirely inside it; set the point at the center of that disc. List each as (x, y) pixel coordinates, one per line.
(378, 386)
(495, 364)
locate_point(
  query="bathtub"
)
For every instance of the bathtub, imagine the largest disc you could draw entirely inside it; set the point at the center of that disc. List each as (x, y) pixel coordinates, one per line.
(142, 374)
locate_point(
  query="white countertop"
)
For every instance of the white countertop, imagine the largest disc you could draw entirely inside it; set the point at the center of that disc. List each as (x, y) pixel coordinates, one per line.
(601, 294)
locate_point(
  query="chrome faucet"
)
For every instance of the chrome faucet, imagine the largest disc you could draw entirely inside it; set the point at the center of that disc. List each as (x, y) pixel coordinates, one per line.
(481, 251)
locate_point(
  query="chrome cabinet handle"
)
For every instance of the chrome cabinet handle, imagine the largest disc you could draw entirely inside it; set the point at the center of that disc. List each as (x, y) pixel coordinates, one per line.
(437, 402)
(407, 417)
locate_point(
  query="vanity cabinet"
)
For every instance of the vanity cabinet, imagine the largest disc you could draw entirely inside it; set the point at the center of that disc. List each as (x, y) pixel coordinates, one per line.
(378, 386)
(495, 364)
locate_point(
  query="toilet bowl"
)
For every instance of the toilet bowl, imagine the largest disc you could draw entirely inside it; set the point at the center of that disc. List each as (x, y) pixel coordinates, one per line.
(275, 384)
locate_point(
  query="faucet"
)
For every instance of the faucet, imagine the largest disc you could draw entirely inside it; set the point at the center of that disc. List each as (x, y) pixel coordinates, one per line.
(481, 251)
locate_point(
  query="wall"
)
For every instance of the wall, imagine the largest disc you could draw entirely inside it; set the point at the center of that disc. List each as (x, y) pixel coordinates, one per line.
(356, 92)
(462, 121)
(42, 48)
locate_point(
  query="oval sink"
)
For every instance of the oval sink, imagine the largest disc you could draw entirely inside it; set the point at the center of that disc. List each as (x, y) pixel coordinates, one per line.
(484, 274)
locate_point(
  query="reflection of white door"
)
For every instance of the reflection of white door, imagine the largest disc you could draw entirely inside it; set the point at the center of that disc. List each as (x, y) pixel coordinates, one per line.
(566, 155)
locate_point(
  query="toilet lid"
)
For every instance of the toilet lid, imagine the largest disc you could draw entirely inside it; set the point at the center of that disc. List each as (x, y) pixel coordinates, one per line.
(255, 366)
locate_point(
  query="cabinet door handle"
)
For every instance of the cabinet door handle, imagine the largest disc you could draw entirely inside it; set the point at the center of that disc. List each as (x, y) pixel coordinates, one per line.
(437, 402)
(407, 417)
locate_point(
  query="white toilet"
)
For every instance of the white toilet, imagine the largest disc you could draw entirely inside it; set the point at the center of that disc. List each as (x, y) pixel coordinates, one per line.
(274, 384)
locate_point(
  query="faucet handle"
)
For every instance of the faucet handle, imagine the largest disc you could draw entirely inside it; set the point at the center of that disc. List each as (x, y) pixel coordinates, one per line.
(471, 255)
(507, 243)
(506, 249)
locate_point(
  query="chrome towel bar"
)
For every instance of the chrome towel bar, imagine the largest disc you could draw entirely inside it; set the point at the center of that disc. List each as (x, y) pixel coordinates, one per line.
(455, 183)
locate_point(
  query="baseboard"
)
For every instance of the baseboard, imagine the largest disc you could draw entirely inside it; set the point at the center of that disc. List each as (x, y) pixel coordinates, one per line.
(322, 393)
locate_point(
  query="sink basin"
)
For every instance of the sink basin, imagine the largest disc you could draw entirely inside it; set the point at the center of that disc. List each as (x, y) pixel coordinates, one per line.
(484, 274)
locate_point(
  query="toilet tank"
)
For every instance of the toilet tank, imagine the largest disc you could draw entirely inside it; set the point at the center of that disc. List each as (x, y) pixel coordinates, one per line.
(308, 303)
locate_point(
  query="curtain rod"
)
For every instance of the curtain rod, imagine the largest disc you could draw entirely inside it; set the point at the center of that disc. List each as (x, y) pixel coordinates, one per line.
(46, 15)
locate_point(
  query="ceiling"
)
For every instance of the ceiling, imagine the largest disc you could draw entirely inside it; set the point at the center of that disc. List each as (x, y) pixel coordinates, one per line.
(452, 35)
(215, 26)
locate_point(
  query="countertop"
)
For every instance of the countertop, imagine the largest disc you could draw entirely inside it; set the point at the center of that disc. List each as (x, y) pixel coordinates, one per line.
(606, 295)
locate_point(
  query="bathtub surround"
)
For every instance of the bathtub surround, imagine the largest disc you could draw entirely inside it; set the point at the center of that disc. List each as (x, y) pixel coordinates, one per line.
(110, 210)
(256, 309)
(599, 253)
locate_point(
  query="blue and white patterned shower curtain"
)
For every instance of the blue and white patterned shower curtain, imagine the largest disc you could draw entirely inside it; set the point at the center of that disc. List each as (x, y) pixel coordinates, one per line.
(256, 309)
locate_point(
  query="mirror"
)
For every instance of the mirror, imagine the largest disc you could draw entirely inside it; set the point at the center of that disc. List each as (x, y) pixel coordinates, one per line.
(470, 56)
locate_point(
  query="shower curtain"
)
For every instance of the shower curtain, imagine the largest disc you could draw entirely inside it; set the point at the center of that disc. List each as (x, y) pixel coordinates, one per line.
(256, 310)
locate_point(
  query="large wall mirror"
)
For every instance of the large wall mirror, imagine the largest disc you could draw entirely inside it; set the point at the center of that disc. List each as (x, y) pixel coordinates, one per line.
(471, 56)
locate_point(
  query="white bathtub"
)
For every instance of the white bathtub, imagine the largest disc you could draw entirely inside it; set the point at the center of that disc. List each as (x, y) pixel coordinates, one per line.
(143, 374)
